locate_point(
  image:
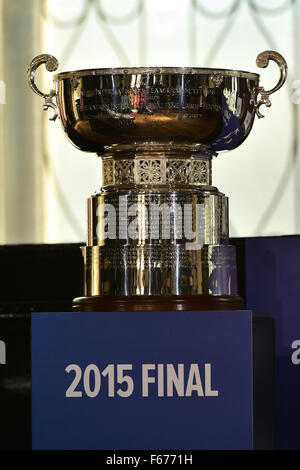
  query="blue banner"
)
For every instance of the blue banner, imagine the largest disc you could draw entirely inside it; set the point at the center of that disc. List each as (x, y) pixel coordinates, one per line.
(272, 288)
(142, 380)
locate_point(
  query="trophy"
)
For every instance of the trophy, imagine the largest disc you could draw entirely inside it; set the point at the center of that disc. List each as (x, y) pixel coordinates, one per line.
(158, 235)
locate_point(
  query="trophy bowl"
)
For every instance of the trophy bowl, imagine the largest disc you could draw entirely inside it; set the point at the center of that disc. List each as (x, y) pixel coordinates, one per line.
(190, 108)
(158, 235)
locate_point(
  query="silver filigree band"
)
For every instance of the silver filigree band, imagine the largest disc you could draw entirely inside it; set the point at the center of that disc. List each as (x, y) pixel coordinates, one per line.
(152, 170)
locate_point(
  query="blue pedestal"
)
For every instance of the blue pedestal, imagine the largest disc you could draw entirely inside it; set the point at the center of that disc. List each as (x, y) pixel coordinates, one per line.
(150, 380)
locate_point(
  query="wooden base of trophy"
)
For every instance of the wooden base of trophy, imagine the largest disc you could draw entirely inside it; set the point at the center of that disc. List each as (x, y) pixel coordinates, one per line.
(157, 303)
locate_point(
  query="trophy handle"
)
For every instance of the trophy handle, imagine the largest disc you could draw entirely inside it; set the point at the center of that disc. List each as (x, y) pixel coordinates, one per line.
(51, 64)
(262, 61)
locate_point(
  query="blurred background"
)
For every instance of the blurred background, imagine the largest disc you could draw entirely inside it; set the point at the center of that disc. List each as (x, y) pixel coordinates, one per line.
(45, 181)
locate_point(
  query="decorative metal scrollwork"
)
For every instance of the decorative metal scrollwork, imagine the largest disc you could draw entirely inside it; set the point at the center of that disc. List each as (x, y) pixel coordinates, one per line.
(216, 14)
(262, 61)
(256, 6)
(51, 64)
(156, 171)
(136, 11)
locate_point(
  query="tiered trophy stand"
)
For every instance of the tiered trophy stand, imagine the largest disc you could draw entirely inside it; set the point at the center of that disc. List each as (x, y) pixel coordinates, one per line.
(158, 234)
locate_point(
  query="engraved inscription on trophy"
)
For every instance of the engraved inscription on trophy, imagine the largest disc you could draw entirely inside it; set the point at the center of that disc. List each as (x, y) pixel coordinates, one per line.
(124, 103)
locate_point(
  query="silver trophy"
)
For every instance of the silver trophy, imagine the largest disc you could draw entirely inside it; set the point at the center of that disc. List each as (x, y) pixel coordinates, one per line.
(157, 228)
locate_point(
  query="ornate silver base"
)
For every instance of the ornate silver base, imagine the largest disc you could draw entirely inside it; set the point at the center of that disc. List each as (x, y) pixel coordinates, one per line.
(158, 227)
